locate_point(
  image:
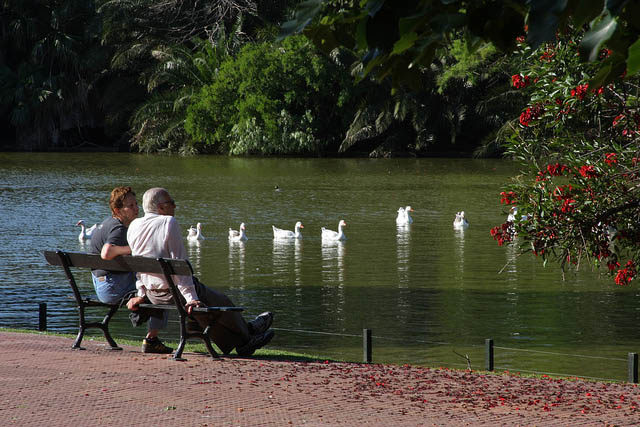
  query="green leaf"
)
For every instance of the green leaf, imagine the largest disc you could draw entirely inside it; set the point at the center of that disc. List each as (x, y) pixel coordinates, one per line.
(543, 20)
(633, 60)
(411, 23)
(586, 11)
(406, 42)
(614, 6)
(373, 6)
(305, 12)
(361, 33)
(592, 41)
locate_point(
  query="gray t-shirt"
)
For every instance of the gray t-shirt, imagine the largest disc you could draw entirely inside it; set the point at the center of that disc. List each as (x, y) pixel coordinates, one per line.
(111, 231)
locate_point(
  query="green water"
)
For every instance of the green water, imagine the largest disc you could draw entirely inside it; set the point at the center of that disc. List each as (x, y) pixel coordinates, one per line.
(430, 294)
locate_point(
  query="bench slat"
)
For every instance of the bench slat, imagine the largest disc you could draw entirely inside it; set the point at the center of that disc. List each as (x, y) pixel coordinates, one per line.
(121, 263)
(196, 309)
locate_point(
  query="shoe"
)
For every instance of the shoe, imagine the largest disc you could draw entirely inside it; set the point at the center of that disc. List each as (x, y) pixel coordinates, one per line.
(261, 323)
(254, 343)
(155, 346)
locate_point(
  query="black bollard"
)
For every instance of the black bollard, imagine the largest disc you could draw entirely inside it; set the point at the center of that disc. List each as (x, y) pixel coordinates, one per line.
(366, 345)
(488, 354)
(42, 312)
(633, 368)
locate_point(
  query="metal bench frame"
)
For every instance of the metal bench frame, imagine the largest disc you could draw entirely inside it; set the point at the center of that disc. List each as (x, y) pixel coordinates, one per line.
(164, 266)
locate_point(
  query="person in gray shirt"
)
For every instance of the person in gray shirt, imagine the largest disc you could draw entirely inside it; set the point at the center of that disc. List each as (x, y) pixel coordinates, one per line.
(110, 240)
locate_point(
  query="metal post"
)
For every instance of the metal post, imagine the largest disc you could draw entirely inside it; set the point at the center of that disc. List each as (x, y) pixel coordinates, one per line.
(633, 368)
(42, 320)
(366, 345)
(488, 354)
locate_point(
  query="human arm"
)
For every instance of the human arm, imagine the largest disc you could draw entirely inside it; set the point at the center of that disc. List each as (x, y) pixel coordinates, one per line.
(110, 251)
(175, 246)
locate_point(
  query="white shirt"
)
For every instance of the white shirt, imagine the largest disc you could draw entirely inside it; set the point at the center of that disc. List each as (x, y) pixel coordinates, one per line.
(155, 236)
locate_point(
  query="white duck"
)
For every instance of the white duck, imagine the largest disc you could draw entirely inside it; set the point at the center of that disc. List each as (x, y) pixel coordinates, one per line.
(237, 235)
(192, 237)
(335, 235)
(404, 217)
(288, 234)
(400, 218)
(512, 215)
(85, 233)
(460, 222)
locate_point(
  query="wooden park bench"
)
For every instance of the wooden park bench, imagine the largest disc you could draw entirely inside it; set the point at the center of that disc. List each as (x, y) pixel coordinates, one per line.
(164, 266)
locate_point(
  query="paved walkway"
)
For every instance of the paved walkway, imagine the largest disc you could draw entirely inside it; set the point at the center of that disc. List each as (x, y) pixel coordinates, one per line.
(44, 382)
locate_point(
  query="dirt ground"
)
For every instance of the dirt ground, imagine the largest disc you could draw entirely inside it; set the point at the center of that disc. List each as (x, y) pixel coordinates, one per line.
(44, 382)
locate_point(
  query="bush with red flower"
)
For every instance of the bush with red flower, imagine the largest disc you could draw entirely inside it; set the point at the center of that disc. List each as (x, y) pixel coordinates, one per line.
(579, 147)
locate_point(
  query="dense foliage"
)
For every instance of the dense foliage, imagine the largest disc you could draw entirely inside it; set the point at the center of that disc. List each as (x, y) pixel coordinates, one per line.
(123, 73)
(272, 100)
(396, 39)
(51, 64)
(578, 200)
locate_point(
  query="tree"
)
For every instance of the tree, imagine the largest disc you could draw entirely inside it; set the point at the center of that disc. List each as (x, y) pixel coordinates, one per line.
(578, 198)
(158, 123)
(280, 98)
(50, 63)
(395, 39)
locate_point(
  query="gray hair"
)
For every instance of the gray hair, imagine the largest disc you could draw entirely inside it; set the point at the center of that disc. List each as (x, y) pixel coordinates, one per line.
(152, 198)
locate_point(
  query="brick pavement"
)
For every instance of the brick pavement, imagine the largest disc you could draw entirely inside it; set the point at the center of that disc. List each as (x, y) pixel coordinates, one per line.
(44, 381)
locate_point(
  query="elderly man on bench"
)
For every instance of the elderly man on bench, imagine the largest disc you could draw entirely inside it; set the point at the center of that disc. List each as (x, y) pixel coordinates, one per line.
(157, 234)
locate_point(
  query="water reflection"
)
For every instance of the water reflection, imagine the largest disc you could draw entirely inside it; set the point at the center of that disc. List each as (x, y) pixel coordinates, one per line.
(287, 258)
(511, 253)
(403, 254)
(237, 259)
(194, 252)
(333, 277)
(333, 261)
(459, 255)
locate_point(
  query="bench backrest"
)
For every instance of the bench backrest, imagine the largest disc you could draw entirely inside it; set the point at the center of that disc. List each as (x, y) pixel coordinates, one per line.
(122, 263)
(164, 266)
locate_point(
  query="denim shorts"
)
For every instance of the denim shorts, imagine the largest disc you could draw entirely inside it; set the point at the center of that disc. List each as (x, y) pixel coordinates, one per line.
(112, 287)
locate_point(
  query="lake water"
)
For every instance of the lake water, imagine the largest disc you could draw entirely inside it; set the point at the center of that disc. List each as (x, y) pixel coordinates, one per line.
(431, 295)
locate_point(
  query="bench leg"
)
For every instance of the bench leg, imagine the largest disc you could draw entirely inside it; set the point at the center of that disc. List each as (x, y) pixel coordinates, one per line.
(105, 328)
(207, 342)
(177, 355)
(185, 335)
(78, 341)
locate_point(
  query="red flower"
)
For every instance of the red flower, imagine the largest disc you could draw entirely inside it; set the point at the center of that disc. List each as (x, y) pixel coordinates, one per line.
(520, 82)
(580, 91)
(588, 171)
(617, 119)
(626, 274)
(508, 198)
(531, 113)
(556, 169)
(613, 265)
(611, 158)
(503, 233)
